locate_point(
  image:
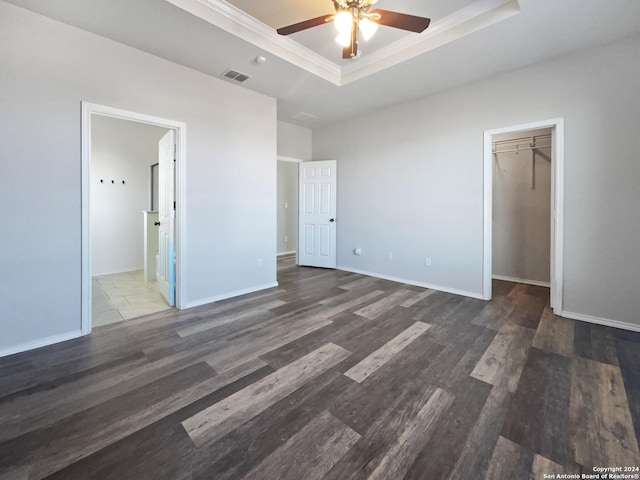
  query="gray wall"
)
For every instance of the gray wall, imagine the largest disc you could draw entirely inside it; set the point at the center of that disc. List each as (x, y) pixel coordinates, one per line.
(412, 182)
(522, 209)
(287, 207)
(294, 141)
(48, 69)
(120, 150)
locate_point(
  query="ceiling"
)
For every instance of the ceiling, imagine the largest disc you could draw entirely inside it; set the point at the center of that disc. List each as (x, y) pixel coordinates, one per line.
(468, 40)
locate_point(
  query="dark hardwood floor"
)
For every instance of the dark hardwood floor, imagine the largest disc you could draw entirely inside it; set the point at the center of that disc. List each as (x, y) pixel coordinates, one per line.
(332, 375)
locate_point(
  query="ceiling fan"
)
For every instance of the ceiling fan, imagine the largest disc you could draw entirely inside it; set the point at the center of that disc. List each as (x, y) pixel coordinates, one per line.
(356, 15)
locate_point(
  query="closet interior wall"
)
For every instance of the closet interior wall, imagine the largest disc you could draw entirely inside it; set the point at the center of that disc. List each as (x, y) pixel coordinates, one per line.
(522, 206)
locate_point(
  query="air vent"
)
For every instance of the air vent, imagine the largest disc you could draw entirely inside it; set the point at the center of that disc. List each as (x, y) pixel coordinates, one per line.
(232, 74)
(302, 116)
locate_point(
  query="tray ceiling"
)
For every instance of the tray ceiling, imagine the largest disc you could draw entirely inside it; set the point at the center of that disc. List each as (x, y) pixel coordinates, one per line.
(315, 49)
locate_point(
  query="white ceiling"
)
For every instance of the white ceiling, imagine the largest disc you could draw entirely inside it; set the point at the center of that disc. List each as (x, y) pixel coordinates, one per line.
(542, 29)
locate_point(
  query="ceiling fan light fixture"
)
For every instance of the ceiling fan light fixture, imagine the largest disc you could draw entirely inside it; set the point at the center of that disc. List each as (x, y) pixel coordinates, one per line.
(343, 22)
(344, 39)
(368, 28)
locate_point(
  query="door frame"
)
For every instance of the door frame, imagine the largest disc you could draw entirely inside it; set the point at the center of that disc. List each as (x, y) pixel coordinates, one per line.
(557, 207)
(88, 110)
(281, 158)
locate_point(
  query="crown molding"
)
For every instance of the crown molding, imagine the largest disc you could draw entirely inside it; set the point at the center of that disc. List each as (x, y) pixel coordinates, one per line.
(233, 20)
(474, 17)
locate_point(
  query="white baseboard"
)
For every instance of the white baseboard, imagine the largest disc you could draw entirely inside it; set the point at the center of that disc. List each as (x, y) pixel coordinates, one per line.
(413, 282)
(280, 254)
(43, 342)
(601, 321)
(93, 275)
(536, 283)
(224, 296)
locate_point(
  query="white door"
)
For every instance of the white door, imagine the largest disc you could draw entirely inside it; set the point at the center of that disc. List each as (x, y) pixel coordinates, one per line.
(165, 270)
(317, 214)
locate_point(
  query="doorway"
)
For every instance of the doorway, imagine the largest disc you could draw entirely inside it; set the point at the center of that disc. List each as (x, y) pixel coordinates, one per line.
(117, 190)
(532, 155)
(287, 209)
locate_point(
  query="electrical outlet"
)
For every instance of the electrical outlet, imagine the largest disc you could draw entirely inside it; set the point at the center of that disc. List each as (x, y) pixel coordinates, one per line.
(427, 261)
(259, 263)
(286, 204)
(389, 256)
(286, 238)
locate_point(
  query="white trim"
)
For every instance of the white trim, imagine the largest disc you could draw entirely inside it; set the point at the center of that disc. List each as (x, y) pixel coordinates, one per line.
(89, 109)
(94, 275)
(439, 288)
(281, 254)
(602, 321)
(536, 283)
(289, 159)
(557, 274)
(228, 17)
(224, 296)
(43, 342)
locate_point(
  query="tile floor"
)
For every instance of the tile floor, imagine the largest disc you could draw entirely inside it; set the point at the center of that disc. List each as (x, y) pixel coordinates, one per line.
(122, 296)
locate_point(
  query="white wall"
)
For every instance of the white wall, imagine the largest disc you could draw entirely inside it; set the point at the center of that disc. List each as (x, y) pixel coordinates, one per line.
(120, 150)
(522, 208)
(294, 141)
(287, 207)
(411, 183)
(48, 69)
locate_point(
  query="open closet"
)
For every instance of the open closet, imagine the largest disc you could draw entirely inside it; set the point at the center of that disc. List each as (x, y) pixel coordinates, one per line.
(522, 205)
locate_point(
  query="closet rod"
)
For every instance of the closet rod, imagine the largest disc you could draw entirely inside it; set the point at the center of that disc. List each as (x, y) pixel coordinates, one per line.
(523, 149)
(516, 140)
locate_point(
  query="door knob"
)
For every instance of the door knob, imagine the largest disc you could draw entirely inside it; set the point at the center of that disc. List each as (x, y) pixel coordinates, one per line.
(157, 224)
(332, 220)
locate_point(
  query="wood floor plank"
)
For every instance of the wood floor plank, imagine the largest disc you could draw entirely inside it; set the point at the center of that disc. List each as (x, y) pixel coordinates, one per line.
(332, 310)
(385, 304)
(543, 466)
(554, 334)
(217, 321)
(474, 457)
(375, 360)
(595, 342)
(629, 361)
(505, 357)
(237, 453)
(318, 446)
(539, 413)
(438, 457)
(221, 418)
(418, 297)
(404, 451)
(527, 311)
(600, 418)
(362, 404)
(227, 358)
(509, 460)
(494, 313)
(53, 448)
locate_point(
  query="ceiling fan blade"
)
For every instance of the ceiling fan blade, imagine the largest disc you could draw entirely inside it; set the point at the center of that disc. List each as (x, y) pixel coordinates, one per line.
(402, 20)
(298, 27)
